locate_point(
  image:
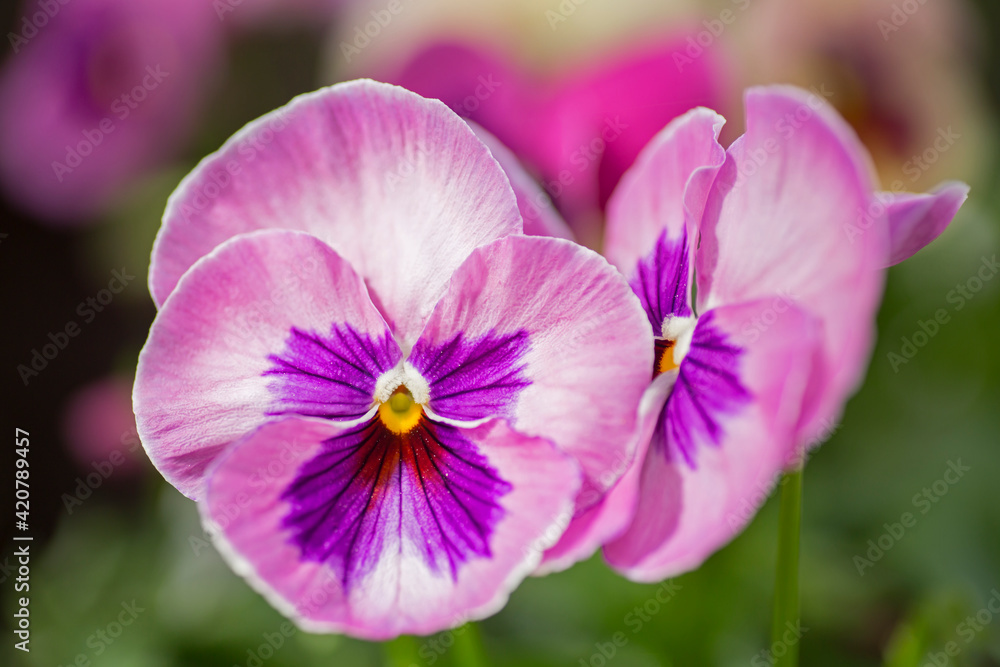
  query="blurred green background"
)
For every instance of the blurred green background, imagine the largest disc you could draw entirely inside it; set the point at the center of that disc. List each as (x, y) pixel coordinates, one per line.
(135, 541)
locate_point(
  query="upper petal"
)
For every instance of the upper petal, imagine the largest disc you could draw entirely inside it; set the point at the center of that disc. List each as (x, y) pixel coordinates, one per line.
(778, 221)
(688, 506)
(665, 190)
(403, 526)
(269, 323)
(398, 185)
(917, 219)
(583, 346)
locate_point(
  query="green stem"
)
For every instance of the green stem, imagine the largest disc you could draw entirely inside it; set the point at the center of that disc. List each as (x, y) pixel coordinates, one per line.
(786, 583)
(402, 651)
(469, 650)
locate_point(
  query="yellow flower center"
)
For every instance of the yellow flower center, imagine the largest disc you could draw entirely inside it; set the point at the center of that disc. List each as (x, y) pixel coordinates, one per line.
(400, 413)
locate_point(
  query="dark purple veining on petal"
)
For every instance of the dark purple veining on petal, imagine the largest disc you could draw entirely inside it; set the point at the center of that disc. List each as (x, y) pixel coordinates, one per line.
(661, 280)
(370, 490)
(330, 376)
(473, 379)
(708, 388)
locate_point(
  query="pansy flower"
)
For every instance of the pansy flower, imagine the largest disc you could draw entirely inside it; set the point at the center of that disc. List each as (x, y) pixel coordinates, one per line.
(384, 396)
(784, 237)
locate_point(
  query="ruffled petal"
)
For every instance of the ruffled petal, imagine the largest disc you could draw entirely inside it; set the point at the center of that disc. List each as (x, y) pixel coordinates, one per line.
(917, 219)
(665, 190)
(376, 538)
(778, 222)
(707, 470)
(398, 185)
(540, 216)
(571, 334)
(270, 323)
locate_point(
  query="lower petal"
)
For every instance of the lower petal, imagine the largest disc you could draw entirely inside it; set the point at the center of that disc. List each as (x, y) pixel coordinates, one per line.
(608, 518)
(343, 534)
(686, 510)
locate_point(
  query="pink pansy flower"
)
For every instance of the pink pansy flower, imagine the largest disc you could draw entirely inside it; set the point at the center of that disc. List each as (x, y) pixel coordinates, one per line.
(784, 236)
(384, 397)
(96, 93)
(587, 123)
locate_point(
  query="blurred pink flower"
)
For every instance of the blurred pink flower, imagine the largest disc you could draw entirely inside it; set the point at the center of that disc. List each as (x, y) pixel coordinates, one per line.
(99, 427)
(97, 91)
(578, 129)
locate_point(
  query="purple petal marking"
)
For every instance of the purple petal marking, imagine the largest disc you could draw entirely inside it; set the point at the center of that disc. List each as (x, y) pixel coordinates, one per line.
(708, 388)
(330, 376)
(661, 280)
(371, 489)
(473, 379)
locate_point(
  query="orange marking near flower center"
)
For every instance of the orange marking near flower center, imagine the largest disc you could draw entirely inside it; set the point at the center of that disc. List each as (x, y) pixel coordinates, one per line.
(664, 357)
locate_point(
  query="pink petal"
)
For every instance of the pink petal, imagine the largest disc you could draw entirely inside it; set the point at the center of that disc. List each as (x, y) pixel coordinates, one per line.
(665, 189)
(685, 513)
(606, 520)
(917, 219)
(778, 221)
(589, 354)
(201, 382)
(398, 185)
(540, 216)
(246, 513)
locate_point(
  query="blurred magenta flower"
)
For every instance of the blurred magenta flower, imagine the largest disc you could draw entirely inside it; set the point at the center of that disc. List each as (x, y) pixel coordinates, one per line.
(99, 427)
(96, 92)
(384, 396)
(786, 237)
(578, 129)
